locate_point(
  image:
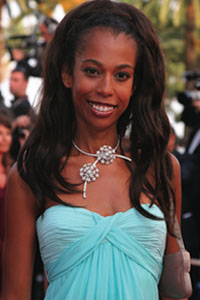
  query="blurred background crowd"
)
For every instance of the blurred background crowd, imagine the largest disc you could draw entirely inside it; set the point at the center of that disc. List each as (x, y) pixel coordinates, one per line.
(26, 26)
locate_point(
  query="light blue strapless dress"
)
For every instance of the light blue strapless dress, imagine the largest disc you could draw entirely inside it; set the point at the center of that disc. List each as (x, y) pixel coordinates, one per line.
(91, 257)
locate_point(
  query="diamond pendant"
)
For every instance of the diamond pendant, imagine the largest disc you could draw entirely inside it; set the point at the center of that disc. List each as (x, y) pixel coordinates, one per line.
(89, 172)
(105, 154)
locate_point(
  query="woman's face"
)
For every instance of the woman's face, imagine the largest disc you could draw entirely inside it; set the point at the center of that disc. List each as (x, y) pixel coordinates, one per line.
(5, 139)
(102, 78)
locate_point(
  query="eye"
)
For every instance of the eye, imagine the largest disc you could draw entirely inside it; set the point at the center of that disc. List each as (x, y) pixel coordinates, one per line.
(91, 71)
(122, 76)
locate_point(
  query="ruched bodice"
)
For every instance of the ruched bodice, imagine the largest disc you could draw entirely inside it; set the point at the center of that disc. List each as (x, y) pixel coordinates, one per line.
(91, 257)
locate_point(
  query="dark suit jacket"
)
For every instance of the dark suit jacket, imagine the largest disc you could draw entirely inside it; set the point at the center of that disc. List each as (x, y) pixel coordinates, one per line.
(20, 106)
(190, 174)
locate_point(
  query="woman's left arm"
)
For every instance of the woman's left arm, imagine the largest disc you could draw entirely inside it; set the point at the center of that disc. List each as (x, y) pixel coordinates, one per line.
(176, 184)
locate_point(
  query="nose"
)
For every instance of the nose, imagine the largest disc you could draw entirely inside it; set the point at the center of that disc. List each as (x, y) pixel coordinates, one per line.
(105, 87)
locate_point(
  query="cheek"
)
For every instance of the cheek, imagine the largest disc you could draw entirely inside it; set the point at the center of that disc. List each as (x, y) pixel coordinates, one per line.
(6, 140)
(9, 140)
(80, 90)
(125, 95)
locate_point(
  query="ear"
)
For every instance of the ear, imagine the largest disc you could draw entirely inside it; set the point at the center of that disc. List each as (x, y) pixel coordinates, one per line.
(66, 77)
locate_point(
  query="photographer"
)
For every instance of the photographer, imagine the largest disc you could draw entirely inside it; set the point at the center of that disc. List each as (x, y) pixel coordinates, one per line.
(25, 54)
(28, 50)
(190, 173)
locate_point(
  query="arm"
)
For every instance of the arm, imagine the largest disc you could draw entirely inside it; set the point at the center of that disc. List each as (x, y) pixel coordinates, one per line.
(19, 239)
(176, 184)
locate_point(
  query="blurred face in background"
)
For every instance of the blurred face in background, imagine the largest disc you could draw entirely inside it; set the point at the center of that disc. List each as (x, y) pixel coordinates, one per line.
(18, 84)
(5, 139)
(44, 32)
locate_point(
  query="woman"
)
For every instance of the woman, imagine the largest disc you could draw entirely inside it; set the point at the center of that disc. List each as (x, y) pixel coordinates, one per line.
(5, 163)
(100, 203)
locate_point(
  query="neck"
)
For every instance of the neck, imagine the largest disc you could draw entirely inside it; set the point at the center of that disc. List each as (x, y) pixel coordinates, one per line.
(19, 96)
(91, 143)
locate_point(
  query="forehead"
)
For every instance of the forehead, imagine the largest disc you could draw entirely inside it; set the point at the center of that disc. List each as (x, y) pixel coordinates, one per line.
(100, 40)
(4, 128)
(17, 75)
(97, 31)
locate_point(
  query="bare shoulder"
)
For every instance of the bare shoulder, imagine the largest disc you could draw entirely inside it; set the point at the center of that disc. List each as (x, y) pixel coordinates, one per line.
(19, 193)
(14, 177)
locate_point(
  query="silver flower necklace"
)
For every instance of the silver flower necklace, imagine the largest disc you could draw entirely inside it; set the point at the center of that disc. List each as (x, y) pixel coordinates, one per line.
(105, 155)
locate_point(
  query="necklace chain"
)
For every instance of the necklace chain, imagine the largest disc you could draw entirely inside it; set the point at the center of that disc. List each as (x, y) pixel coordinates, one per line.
(105, 155)
(95, 154)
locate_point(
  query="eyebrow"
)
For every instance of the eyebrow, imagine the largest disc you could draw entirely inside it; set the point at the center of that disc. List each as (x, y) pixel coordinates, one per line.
(99, 64)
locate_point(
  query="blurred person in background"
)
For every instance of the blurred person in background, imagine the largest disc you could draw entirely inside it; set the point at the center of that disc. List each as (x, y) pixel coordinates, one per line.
(190, 174)
(47, 28)
(21, 127)
(3, 108)
(5, 164)
(20, 105)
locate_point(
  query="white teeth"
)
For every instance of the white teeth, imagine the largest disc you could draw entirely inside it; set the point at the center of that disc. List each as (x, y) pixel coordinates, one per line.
(101, 108)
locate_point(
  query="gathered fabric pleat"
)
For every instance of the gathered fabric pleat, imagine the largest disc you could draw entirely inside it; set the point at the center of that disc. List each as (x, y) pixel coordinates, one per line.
(91, 257)
(105, 229)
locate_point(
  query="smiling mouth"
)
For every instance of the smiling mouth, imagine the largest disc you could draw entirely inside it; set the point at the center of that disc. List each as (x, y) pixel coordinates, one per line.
(101, 107)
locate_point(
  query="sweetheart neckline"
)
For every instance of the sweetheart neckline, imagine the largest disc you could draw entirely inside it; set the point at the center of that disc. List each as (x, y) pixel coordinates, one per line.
(94, 212)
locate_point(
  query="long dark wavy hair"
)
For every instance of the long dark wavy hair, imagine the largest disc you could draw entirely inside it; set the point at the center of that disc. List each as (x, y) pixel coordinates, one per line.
(39, 163)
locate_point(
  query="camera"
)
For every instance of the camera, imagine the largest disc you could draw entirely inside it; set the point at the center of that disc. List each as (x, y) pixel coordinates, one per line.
(32, 48)
(19, 132)
(29, 43)
(186, 97)
(190, 115)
